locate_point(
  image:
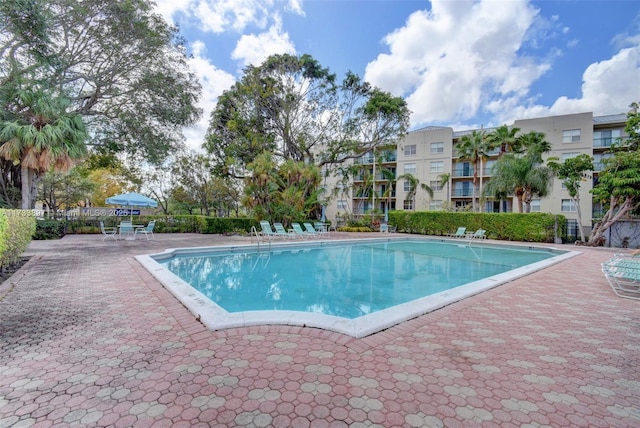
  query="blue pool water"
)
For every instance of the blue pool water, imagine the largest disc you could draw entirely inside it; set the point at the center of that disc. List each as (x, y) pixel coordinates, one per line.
(344, 280)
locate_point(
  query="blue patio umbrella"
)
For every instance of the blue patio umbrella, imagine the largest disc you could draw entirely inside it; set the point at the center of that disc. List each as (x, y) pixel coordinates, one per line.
(131, 200)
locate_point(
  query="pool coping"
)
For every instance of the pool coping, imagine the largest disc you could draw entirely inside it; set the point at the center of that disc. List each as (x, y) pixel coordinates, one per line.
(214, 317)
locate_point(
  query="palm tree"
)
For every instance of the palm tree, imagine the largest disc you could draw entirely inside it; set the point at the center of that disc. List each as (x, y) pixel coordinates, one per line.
(414, 182)
(504, 138)
(37, 131)
(445, 181)
(473, 148)
(523, 175)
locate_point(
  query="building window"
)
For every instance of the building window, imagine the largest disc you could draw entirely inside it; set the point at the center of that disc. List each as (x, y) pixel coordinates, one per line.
(435, 185)
(408, 187)
(407, 205)
(571, 136)
(535, 205)
(598, 160)
(567, 206)
(566, 156)
(437, 166)
(435, 205)
(410, 150)
(410, 168)
(342, 204)
(606, 137)
(437, 147)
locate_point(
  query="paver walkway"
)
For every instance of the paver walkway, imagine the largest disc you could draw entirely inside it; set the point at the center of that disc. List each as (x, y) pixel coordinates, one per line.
(89, 338)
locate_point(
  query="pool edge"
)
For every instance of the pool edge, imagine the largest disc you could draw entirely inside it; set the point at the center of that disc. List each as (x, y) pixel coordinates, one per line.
(215, 317)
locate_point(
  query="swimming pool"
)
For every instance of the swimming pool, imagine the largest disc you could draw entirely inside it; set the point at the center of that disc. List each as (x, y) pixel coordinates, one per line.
(354, 287)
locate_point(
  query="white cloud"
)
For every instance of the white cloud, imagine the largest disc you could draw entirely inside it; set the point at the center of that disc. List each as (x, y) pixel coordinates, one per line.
(608, 87)
(453, 59)
(214, 81)
(253, 49)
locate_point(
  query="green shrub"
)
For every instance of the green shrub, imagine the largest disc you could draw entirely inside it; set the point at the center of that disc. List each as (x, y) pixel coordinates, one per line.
(531, 227)
(355, 229)
(50, 229)
(16, 231)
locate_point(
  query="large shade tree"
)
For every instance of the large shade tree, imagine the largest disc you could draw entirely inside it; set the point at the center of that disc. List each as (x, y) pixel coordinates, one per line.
(618, 187)
(572, 172)
(296, 109)
(121, 67)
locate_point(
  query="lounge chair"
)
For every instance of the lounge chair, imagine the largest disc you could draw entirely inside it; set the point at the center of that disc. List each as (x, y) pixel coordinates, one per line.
(300, 233)
(146, 230)
(267, 230)
(308, 227)
(623, 275)
(460, 233)
(478, 234)
(108, 232)
(282, 232)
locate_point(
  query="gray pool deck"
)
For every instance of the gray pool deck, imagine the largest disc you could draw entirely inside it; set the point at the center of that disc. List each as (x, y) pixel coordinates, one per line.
(89, 338)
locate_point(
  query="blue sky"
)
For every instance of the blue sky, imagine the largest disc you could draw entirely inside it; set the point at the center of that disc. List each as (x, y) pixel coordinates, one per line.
(457, 63)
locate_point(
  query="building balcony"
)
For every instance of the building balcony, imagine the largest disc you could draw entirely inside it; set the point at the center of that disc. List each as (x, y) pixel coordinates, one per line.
(379, 195)
(462, 172)
(462, 193)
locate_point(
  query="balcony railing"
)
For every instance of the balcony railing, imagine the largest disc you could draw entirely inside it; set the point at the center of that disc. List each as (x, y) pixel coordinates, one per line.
(379, 195)
(462, 172)
(462, 193)
(368, 160)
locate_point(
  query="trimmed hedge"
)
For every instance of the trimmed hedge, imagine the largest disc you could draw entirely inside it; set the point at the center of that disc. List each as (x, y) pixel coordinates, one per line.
(17, 228)
(531, 227)
(56, 229)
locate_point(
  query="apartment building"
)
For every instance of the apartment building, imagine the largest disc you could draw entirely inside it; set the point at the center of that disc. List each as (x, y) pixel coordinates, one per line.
(429, 155)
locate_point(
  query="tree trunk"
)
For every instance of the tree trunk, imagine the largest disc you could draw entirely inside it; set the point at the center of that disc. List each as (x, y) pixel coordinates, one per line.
(26, 178)
(609, 218)
(576, 201)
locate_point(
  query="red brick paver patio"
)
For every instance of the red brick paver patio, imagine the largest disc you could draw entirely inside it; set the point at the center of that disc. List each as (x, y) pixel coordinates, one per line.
(89, 338)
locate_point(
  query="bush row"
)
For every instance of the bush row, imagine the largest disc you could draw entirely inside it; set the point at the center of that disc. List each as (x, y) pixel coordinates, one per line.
(16, 232)
(55, 229)
(530, 227)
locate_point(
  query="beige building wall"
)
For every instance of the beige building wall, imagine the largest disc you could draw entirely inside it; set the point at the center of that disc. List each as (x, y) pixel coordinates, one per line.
(432, 158)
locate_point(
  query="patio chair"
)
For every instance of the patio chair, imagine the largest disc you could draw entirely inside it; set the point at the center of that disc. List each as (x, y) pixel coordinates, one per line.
(460, 233)
(146, 230)
(478, 234)
(126, 228)
(301, 233)
(282, 232)
(108, 232)
(308, 227)
(623, 277)
(267, 230)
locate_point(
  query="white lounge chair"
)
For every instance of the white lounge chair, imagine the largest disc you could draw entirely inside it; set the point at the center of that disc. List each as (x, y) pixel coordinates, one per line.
(460, 233)
(478, 234)
(267, 230)
(301, 233)
(282, 232)
(623, 275)
(310, 229)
